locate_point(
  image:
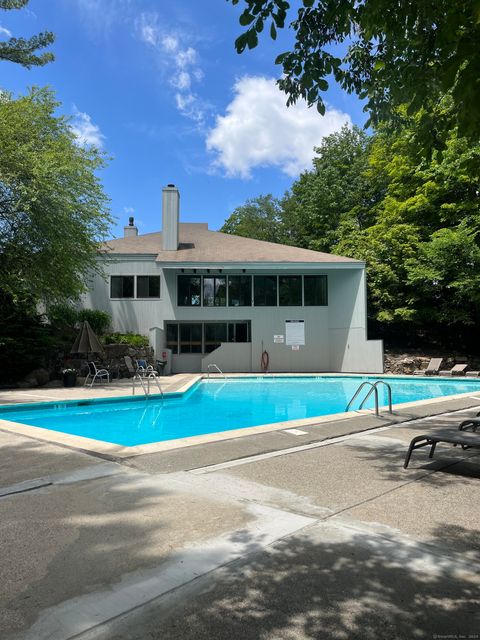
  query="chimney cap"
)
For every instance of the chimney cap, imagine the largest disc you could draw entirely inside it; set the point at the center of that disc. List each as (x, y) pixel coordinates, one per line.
(130, 221)
(172, 186)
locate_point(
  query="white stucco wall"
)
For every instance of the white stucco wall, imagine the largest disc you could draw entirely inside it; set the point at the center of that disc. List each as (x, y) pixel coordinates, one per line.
(335, 335)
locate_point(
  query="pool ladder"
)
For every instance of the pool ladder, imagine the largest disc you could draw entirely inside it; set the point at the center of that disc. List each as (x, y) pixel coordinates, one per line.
(216, 369)
(373, 389)
(146, 389)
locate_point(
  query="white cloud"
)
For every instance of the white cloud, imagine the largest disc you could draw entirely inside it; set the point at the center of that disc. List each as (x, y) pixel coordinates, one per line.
(258, 130)
(103, 15)
(5, 32)
(178, 61)
(86, 131)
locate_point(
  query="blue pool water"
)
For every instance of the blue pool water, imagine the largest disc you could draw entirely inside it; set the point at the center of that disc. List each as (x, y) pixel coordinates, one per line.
(220, 405)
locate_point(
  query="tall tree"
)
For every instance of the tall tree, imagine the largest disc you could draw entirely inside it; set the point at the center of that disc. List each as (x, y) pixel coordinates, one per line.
(53, 210)
(318, 200)
(258, 218)
(24, 50)
(393, 53)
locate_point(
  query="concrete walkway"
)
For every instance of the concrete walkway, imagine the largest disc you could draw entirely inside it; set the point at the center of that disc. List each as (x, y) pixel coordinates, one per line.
(293, 537)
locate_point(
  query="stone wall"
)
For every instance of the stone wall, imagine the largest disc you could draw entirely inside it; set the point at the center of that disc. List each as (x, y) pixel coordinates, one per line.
(407, 363)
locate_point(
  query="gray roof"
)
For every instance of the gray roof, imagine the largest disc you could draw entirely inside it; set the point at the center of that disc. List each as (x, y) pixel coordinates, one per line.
(199, 244)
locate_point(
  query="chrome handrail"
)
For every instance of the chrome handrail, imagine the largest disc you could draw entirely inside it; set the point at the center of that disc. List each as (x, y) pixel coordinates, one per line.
(216, 367)
(146, 390)
(374, 390)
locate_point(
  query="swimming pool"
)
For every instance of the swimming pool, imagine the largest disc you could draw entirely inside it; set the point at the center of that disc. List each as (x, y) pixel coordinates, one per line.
(220, 405)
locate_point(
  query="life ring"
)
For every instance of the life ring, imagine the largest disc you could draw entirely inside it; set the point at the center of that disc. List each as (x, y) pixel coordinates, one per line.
(265, 361)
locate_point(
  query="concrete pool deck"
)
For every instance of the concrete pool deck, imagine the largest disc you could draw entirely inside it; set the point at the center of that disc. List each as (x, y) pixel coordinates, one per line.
(276, 535)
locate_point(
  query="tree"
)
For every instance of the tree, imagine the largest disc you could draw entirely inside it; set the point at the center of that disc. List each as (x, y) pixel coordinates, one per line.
(258, 218)
(318, 200)
(22, 50)
(53, 211)
(393, 53)
(427, 209)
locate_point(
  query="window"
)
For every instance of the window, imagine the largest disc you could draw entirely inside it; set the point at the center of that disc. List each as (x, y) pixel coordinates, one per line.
(148, 286)
(265, 291)
(122, 286)
(239, 332)
(172, 337)
(316, 291)
(214, 291)
(290, 291)
(189, 291)
(240, 291)
(215, 334)
(191, 338)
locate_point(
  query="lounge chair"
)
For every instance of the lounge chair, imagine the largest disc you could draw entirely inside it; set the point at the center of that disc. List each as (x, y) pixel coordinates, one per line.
(457, 370)
(449, 436)
(129, 364)
(144, 369)
(96, 374)
(432, 369)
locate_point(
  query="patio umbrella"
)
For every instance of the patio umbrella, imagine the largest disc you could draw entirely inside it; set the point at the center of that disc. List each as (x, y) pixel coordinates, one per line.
(86, 342)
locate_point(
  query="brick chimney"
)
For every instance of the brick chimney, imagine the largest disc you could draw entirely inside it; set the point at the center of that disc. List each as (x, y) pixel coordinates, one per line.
(170, 217)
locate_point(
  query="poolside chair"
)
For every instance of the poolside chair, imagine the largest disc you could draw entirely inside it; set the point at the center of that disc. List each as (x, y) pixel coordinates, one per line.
(457, 370)
(129, 364)
(432, 369)
(449, 436)
(96, 374)
(144, 369)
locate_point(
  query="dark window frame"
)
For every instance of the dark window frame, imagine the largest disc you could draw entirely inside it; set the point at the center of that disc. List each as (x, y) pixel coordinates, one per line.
(122, 297)
(149, 297)
(265, 277)
(200, 295)
(290, 277)
(248, 277)
(324, 292)
(215, 298)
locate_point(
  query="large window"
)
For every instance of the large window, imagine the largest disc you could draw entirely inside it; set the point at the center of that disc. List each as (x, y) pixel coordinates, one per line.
(265, 291)
(172, 337)
(191, 338)
(315, 291)
(238, 332)
(290, 291)
(148, 286)
(204, 337)
(189, 291)
(215, 334)
(214, 291)
(122, 287)
(240, 291)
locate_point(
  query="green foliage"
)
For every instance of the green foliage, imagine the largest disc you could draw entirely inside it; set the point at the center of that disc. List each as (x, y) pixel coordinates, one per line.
(258, 218)
(98, 320)
(394, 54)
(65, 317)
(318, 200)
(26, 342)
(23, 50)
(415, 222)
(53, 210)
(133, 339)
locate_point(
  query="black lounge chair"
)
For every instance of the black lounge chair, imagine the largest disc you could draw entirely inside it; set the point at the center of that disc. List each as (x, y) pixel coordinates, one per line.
(450, 436)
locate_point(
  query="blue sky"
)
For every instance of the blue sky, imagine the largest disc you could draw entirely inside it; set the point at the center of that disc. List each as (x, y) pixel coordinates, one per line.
(160, 87)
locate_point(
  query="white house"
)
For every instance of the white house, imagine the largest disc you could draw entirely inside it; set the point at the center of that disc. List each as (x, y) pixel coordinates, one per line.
(210, 297)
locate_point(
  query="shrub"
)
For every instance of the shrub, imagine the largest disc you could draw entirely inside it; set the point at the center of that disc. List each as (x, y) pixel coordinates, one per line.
(65, 317)
(133, 339)
(99, 320)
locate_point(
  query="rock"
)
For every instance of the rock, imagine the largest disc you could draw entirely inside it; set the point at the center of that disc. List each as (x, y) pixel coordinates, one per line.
(37, 377)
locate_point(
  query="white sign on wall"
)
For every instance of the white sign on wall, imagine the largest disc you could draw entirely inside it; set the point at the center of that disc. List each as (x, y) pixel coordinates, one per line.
(279, 339)
(295, 332)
